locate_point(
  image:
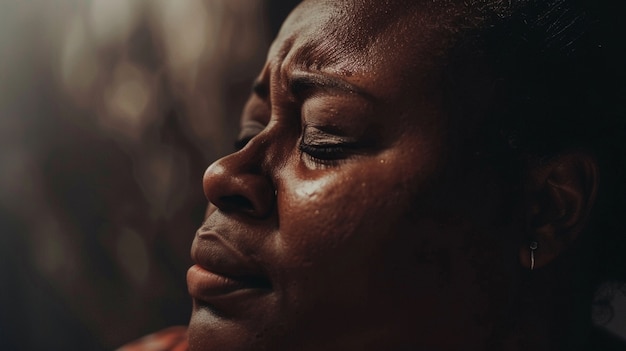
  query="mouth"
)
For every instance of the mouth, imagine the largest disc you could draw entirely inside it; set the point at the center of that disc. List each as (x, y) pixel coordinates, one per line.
(206, 285)
(222, 271)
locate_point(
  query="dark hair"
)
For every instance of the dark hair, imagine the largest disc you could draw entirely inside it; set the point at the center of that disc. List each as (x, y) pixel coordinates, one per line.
(556, 77)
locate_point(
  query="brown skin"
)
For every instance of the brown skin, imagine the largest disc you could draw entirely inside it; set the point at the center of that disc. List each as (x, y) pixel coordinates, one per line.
(386, 233)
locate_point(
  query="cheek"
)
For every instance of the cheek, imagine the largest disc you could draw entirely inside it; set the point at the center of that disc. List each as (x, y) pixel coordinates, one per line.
(350, 215)
(345, 239)
(334, 212)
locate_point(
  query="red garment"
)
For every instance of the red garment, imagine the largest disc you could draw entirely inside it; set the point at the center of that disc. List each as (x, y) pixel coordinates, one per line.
(170, 339)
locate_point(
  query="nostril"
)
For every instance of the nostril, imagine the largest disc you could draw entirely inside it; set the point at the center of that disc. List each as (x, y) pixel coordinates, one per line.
(236, 202)
(235, 183)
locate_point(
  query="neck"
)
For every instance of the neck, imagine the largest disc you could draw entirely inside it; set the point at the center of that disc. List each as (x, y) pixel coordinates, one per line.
(553, 312)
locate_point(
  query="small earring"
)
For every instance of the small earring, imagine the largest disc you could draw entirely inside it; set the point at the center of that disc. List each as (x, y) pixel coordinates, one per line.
(533, 247)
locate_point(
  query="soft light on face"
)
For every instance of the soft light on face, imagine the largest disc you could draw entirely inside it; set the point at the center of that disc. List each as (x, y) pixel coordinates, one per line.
(331, 229)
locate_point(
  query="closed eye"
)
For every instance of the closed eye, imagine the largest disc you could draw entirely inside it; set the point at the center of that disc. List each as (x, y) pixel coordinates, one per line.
(324, 153)
(327, 148)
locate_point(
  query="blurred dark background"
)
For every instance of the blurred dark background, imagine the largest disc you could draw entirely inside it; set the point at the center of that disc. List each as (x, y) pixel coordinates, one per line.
(110, 110)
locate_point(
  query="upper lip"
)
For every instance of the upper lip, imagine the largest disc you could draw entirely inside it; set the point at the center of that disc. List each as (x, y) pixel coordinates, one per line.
(217, 255)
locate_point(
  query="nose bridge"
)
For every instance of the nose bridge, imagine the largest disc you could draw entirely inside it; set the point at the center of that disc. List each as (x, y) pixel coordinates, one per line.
(264, 152)
(242, 181)
(258, 154)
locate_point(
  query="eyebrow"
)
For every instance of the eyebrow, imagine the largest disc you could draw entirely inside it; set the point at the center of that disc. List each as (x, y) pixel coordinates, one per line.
(302, 83)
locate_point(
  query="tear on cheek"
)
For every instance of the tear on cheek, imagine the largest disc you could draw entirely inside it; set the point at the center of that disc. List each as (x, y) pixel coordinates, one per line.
(311, 189)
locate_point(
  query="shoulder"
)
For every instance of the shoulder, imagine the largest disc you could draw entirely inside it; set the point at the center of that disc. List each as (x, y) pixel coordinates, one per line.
(170, 339)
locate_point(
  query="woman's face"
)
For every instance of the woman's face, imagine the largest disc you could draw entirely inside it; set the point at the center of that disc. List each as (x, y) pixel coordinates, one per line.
(354, 217)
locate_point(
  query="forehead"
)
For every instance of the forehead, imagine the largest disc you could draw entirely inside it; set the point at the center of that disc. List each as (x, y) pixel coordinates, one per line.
(360, 38)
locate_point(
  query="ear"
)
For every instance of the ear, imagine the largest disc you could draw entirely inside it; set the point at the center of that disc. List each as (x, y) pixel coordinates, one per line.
(560, 194)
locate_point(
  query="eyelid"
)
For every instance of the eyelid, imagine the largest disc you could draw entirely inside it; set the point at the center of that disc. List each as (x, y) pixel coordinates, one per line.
(326, 148)
(313, 135)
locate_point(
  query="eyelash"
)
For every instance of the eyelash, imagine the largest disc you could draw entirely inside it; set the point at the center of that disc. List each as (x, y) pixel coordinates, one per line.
(322, 154)
(325, 154)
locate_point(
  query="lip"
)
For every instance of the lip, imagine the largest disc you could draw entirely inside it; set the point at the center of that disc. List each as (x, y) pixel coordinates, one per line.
(222, 271)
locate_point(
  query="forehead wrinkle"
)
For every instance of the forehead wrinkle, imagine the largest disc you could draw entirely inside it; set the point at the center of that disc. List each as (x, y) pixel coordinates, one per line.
(354, 38)
(323, 55)
(329, 51)
(350, 35)
(317, 41)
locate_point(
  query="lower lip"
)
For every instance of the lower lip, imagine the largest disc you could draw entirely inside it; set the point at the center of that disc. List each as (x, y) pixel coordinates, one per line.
(206, 285)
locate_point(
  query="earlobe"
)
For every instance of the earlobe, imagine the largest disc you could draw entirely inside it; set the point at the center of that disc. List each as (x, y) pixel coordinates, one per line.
(560, 194)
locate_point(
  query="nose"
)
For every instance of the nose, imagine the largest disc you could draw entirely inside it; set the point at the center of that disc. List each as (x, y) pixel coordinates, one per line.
(237, 184)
